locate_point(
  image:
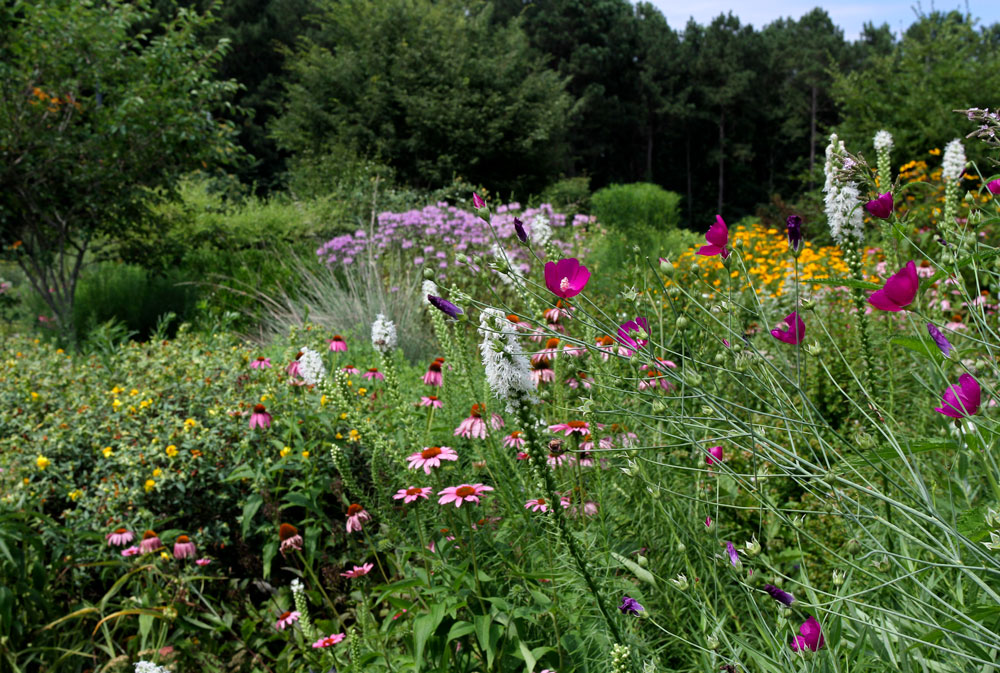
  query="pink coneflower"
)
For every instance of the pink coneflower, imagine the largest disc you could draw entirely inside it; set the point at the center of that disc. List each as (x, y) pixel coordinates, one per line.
(356, 515)
(573, 350)
(329, 641)
(654, 379)
(548, 353)
(286, 619)
(293, 366)
(585, 458)
(514, 440)
(522, 455)
(582, 427)
(537, 504)
(203, 561)
(520, 324)
(715, 453)
(431, 401)
(433, 375)
(351, 369)
(542, 372)
(337, 344)
(559, 459)
(606, 346)
(119, 537)
(590, 508)
(289, 537)
(261, 363)
(463, 493)
(408, 495)
(260, 418)
(183, 547)
(359, 571)
(581, 379)
(431, 457)
(130, 551)
(587, 443)
(150, 542)
(374, 373)
(560, 310)
(496, 421)
(474, 426)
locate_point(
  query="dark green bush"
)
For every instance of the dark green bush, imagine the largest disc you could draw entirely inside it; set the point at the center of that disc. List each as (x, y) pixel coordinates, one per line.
(638, 205)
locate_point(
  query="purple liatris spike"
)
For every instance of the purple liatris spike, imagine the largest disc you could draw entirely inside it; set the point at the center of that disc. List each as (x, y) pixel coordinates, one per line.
(794, 223)
(522, 235)
(444, 306)
(630, 606)
(777, 594)
(940, 339)
(881, 207)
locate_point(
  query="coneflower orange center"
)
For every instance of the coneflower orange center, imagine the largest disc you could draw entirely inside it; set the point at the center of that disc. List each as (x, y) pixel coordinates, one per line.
(119, 531)
(183, 539)
(287, 530)
(541, 501)
(430, 452)
(261, 358)
(435, 366)
(552, 343)
(284, 615)
(373, 369)
(259, 408)
(298, 355)
(605, 341)
(414, 490)
(515, 434)
(148, 535)
(477, 410)
(337, 337)
(577, 424)
(465, 491)
(354, 509)
(513, 318)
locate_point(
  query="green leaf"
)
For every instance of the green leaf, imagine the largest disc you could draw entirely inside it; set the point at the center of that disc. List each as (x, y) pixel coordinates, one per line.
(423, 627)
(972, 524)
(529, 657)
(845, 282)
(250, 508)
(635, 568)
(924, 347)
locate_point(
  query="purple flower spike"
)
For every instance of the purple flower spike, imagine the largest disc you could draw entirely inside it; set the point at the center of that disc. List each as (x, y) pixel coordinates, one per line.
(734, 556)
(566, 278)
(444, 306)
(993, 186)
(522, 235)
(811, 638)
(777, 594)
(899, 291)
(942, 342)
(794, 223)
(477, 201)
(881, 207)
(630, 606)
(961, 400)
(794, 333)
(717, 238)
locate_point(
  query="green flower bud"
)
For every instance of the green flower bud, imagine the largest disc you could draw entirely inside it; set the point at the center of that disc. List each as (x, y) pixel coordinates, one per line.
(674, 291)
(691, 377)
(814, 349)
(681, 582)
(681, 322)
(838, 578)
(712, 642)
(666, 268)
(642, 561)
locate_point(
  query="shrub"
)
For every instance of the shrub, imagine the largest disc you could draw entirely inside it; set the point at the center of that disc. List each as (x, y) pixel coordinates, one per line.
(638, 205)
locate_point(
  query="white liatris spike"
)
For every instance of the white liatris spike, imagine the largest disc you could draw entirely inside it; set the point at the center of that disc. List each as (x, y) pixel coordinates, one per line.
(883, 141)
(843, 199)
(429, 288)
(507, 368)
(953, 164)
(149, 667)
(311, 367)
(541, 231)
(383, 334)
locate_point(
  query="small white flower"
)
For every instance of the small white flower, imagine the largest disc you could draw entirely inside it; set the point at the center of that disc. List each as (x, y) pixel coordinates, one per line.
(149, 667)
(383, 334)
(883, 141)
(311, 367)
(296, 586)
(843, 199)
(994, 542)
(541, 232)
(429, 287)
(507, 368)
(953, 164)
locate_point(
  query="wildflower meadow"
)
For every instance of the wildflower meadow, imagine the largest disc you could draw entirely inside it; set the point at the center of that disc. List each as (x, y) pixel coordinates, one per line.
(482, 427)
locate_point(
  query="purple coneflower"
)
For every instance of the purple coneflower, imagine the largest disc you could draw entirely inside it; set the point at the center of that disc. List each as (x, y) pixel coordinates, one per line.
(431, 457)
(581, 427)
(431, 401)
(203, 561)
(473, 427)
(183, 547)
(542, 372)
(463, 493)
(289, 537)
(581, 379)
(261, 363)
(548, 353)
(408, 495)
(150, 542)
(119, 537)
(260, 418)
(358, 571)
(560, 310)
(286, 619)
(337, 344)
(130, 551)
(538, 504)
(293, 366)
(374, 373)
(329, 641)
(513, 440)
(356, 515)
(351, 369)
(433, 375)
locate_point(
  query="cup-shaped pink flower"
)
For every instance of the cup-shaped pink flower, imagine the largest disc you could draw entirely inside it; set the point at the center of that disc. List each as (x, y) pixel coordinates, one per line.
(717, 238)
(633, 334)
(881, 207)
(962, 399)
(715, 453)
(899, 291)
(993, 186)
(431, 457)
(811, 638)
(566, 278)
(183, 547)
(794, 332)
(463, 493)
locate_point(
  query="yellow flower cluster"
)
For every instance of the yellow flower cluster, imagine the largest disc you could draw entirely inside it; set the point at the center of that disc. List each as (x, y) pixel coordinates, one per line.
(769, 265)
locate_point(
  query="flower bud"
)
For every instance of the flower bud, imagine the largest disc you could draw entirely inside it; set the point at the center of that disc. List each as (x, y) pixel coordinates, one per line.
(808, 305)
(853, 546)
(462, 258)
(681, 582)
(753, 547)
(666, 268)
(681, 547)
(864, 440)
(691, 377)
(838, 578)
(712, 641)
(674, 291)
(681, 322)
(814, 349)
(642, 561)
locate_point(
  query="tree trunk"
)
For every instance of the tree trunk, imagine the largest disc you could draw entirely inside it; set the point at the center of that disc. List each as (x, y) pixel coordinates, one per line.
(722, 157)
(812, 136)
(649, 153)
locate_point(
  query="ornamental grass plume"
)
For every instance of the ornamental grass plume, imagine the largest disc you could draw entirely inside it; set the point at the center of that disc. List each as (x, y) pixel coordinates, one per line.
(260, 418)
(183, 547)
(961, 400)
(566, 278)
(356, 516)
(408, 495)
(463, 493)
(794, 332)
(119, 537)
(150, 542)
(717, 237)
(431, 457)
(811, 638)
(337, 344)
(289, 537)
(899, 291)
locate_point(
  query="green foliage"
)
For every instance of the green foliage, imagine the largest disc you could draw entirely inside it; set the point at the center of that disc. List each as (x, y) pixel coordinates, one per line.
(569, 195)
(637, 206)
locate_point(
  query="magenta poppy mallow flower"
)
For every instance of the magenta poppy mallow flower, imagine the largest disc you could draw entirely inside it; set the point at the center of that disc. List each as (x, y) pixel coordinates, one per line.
(119, 537)
(183, 547)
(358, 571)
(566, 278)
(717, 238)
(962, 399)
(356, 515)
(715, 453)
(260, 418)
(633, 335)
(463, 493)
(261, 363)
(899, 291)
(408, 495)
(329, 641)
(286, 619)
(794, 332)
(993, 186)
(431, 457)
(477, 201)
(811, 638)
(881, 207)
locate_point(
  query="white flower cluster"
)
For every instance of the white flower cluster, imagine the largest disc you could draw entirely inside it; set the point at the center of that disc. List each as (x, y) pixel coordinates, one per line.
(954, 161)
(297, 586)
(149, 667)
(311, 367)
(429, 287)
(541, 232)
(383, 334)
(843, 199)
(883, 141)
(507, 369)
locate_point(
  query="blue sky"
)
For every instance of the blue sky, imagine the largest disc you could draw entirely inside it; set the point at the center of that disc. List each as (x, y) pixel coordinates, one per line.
(848, 14)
